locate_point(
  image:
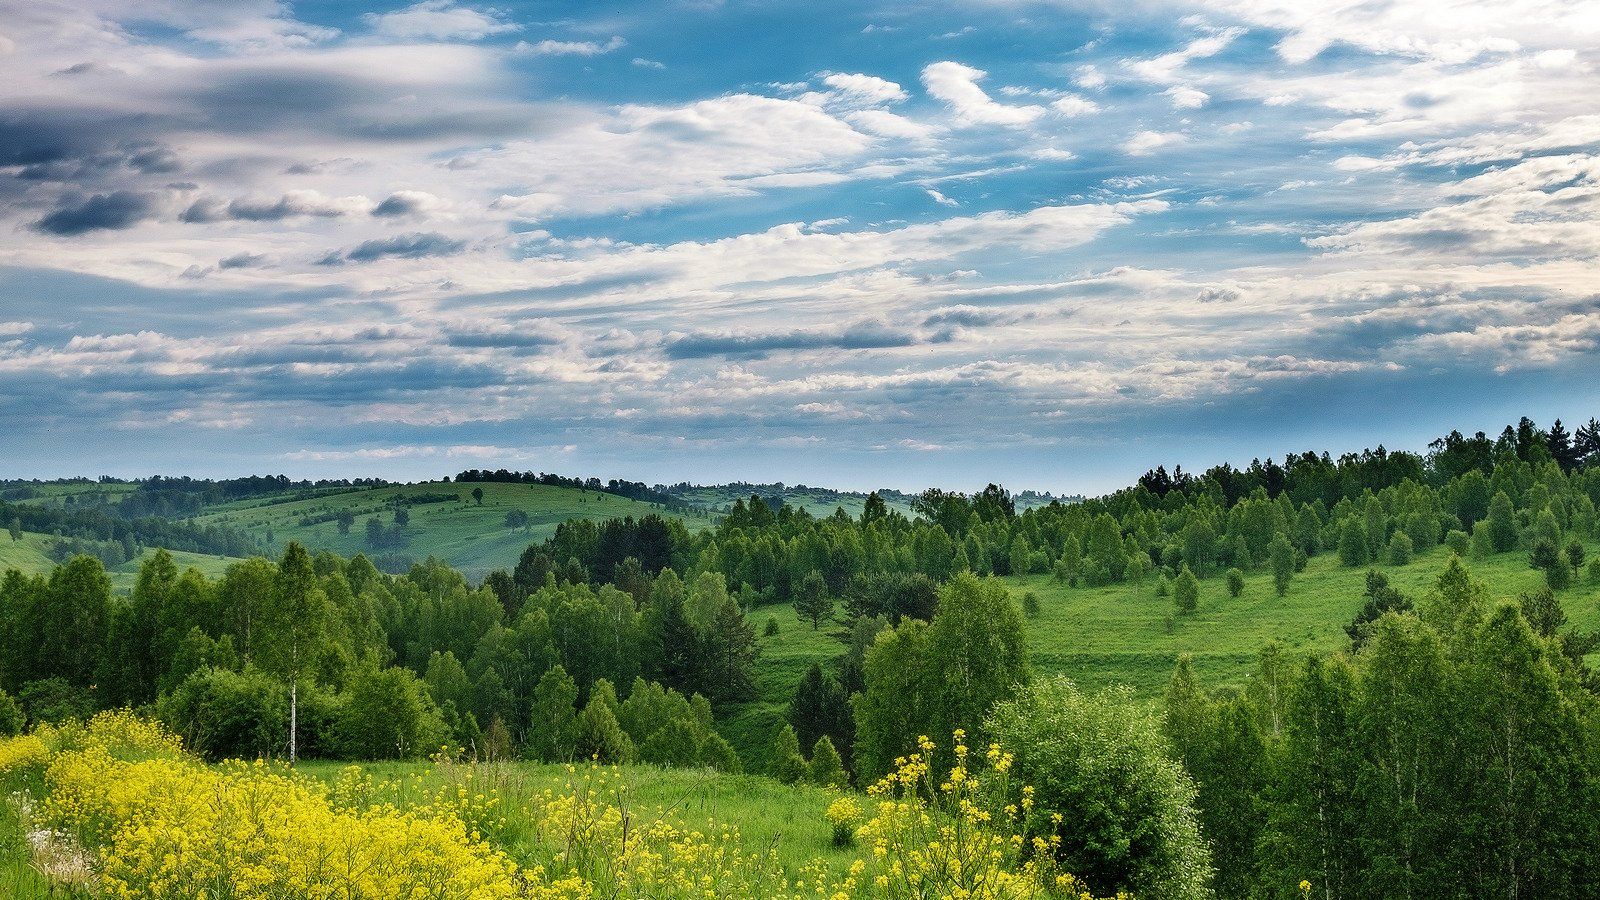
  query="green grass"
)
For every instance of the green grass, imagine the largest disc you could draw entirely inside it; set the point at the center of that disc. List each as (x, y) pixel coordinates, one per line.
(767, 814)
(467, 535)
(31, 556)
(1118, 634)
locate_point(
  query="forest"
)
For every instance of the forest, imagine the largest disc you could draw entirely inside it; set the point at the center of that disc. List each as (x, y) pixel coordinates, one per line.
(1451, 748)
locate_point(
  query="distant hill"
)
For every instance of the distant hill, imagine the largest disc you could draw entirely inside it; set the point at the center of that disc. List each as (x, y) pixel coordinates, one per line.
(443, 520)
(819, 501)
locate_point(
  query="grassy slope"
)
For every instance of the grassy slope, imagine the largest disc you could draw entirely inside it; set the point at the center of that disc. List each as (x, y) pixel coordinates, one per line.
(789, 818)
(470, 537)
(1117, 634)
(30, 555)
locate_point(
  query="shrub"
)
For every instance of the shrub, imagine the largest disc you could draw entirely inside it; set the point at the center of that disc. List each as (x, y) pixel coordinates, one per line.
(1559, 575)
(1575, 554)
(1458, 542)
(388, 715)
(772, 626)
(786, 764)
(222, 714)
(1400, 547)
(12, 721)
(844, 817)
(1594, 570)
(1235, 582)
(1186, 592)
(1030, 605)
(1112, 806)
(826, 768)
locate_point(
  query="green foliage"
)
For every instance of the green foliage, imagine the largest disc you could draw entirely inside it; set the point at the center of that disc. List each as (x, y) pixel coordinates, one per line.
(1186, 592)
(1281, 557)
(784, 762)
(1126, 811)
(1400, 549)
(813, 600)
(12, 719)
(553, 724)
(1353, 549)
(826, 768)
(1030, 604)
(1458, 542)
(600, 738)
(389, 715)
(222, 714)
(1502, 524)
(1235, 582)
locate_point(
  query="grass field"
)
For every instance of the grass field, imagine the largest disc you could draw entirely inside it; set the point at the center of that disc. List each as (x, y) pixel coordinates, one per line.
(1118, 634)
(31, 557)
(767, 814)
(467, 535)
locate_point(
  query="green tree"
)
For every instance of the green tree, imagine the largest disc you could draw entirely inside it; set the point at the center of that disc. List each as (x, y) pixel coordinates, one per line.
(1021, 554)
(1353, 543)
(1126, 812)
(388, 715)
(976, 654)
(1235, 582)
(599, 737)
(1186, 591)
(826, 768)
(1400, 549)
(345, 520)
(477, 495)
(1280, 555)
(785, 762)
(553, 727)
(812, 600)
(1502, 523)
(12, 720)
(296, 629)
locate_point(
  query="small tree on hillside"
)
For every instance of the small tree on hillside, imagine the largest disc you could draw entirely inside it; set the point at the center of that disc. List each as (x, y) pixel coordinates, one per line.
(477, 495)
(1186, 592)
(1235, 582)
(296, 627)
(1280, 555)
(786, 764)
(826, 768)
(813, 601)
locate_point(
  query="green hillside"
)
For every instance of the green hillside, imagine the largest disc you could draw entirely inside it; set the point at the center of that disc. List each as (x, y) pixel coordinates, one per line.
(31, 556)
(1118, 634)
(445, 522)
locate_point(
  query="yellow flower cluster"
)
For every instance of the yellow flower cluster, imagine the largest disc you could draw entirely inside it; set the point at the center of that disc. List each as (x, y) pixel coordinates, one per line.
(956, 837)
(168, 827)
(24, 752)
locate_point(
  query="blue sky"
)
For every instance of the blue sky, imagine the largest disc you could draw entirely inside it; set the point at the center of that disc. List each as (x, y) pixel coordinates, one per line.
(857, 244)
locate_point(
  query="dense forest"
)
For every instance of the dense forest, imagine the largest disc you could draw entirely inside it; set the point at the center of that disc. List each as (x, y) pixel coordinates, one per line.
(1451, 751)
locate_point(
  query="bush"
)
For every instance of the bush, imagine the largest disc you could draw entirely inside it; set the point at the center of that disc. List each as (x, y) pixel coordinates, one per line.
(1594, 570)
(388, 715)
(1575, 554)
(1458, 542)
(786, 764)
(1559, 575)
(12, 721)
(1030, 605)
(1122, 810)
(772, 626)
(1235, 582)
(222, 714)
(54, 700)
(826, 768)
(1186, 592)
(1400, 548)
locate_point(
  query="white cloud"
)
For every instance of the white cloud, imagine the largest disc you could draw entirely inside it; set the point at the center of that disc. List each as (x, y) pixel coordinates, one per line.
(1146, 142)
(865, 88)
(550, 47)
(957, 86)
(1073, 106)
(439, 20)
(940, 199)
(1187, 97)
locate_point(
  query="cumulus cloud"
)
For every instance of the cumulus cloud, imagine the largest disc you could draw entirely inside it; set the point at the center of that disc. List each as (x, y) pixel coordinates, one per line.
(957, 86)
(439, 20)
(1145, 143)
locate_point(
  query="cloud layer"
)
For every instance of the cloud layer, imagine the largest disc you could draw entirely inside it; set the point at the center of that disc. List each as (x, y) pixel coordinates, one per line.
(1055, 243)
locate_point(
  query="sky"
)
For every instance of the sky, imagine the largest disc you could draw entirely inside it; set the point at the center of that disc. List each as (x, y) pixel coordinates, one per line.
(861, 244)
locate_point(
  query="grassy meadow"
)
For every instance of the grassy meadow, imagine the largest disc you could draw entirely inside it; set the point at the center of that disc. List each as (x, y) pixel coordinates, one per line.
(1119, 634)
(445, 522)
(31, 556)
